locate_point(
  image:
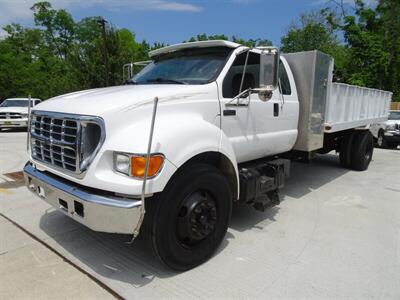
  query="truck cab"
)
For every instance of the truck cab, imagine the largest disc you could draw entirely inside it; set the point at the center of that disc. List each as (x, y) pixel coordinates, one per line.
(203, 126)
(14, 112)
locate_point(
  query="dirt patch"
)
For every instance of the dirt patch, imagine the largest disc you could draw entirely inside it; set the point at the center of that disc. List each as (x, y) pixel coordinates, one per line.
(15, 176)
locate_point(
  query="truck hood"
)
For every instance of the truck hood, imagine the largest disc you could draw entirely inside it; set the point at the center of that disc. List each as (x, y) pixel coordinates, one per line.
(104, 101)
(14, 109)
(392, 122)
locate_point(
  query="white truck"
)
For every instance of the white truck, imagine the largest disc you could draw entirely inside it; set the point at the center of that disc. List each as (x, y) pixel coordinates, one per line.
(205, 125)
(14, 112)
(389, 132)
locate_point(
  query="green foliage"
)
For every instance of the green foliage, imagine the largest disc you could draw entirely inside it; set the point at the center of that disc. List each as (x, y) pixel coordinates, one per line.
(61, 55)
(370, 53)
(312, 32)
(317, 31)
(373, 39)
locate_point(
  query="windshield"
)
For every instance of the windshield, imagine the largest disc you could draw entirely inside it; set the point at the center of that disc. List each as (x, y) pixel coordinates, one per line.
(14, 103)
(394, 115)
(194, 66)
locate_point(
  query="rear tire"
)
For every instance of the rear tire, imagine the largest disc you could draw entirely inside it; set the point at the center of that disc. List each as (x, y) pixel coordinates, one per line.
(345, 150)
(363, 149)
(188, 221)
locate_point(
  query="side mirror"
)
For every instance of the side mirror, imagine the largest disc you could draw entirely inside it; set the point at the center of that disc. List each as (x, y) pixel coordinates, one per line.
(269, 67)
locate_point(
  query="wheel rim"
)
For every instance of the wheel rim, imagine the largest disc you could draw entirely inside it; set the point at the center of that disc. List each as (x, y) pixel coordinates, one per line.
(380, 140)
(197, 218)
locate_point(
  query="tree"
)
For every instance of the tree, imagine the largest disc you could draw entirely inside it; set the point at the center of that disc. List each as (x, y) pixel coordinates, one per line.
(61, 55)
(363, 33)
(372, 38)
(372, 35)
(389, 12)
(317, 31)
(58, 27)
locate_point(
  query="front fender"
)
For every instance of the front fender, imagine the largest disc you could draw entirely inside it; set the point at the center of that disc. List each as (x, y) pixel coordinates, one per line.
(187, 136)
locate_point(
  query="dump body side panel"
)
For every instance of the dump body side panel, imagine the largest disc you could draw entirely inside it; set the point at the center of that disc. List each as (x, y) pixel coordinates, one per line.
(352, 106)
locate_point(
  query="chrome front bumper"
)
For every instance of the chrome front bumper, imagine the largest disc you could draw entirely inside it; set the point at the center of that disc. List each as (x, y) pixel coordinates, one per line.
(10, 123)
(97, 211)
(392, 136)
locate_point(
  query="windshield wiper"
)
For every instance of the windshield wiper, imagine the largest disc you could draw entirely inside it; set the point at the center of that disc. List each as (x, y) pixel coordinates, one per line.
(165, 80)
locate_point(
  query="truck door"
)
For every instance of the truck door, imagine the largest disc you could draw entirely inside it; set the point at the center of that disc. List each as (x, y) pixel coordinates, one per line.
(256, 128)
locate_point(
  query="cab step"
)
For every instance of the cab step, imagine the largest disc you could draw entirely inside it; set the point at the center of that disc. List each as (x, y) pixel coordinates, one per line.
(260, 182)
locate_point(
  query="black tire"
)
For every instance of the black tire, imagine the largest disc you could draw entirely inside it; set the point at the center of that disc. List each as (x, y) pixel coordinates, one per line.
(391, 145)
(363, 149)
(180, 235)
(346, 147)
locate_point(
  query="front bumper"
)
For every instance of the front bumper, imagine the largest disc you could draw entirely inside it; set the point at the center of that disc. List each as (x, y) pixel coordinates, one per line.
(98, 210)
(11, 123)
(392, 136)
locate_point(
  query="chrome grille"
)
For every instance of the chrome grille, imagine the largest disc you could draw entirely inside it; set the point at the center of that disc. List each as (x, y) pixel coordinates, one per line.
(56, 139)
(10, 115)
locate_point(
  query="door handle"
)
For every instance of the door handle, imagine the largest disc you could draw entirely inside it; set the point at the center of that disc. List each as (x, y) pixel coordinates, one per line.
(229, 112)
(276, 109)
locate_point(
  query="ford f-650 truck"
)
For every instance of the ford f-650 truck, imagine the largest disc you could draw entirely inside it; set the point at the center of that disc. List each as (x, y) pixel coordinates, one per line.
(202, 127)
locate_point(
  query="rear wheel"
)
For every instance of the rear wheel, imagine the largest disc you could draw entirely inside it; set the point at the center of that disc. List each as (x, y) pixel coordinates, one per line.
(187, 221)
(363, 149)
(345, 150)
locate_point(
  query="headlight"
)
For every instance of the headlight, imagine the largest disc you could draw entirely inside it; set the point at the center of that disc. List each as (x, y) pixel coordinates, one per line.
(121, 163)
(391, 127)
(134, 165)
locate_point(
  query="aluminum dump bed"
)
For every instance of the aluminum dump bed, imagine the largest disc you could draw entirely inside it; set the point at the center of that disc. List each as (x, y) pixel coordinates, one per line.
(327, 107)
(352, 106)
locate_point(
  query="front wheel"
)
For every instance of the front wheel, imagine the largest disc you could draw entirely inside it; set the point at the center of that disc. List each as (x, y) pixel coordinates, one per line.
(187, 221)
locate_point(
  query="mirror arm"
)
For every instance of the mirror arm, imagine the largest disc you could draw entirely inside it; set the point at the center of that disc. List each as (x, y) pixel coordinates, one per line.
(237, 98)
(243, 74)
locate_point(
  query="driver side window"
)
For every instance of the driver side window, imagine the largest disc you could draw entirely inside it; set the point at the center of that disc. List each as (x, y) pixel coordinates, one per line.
(233, 79)
(231, 85)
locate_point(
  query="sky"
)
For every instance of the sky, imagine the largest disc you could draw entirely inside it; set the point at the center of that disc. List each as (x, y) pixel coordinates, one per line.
(173, 21)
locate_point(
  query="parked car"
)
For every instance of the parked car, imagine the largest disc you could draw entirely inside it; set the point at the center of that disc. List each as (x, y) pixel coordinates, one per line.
(204, 126)
(14, 112)
(389, 136)
(377, 130)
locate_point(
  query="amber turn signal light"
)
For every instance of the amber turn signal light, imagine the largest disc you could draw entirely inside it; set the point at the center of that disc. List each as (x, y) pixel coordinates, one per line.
(138, 165)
